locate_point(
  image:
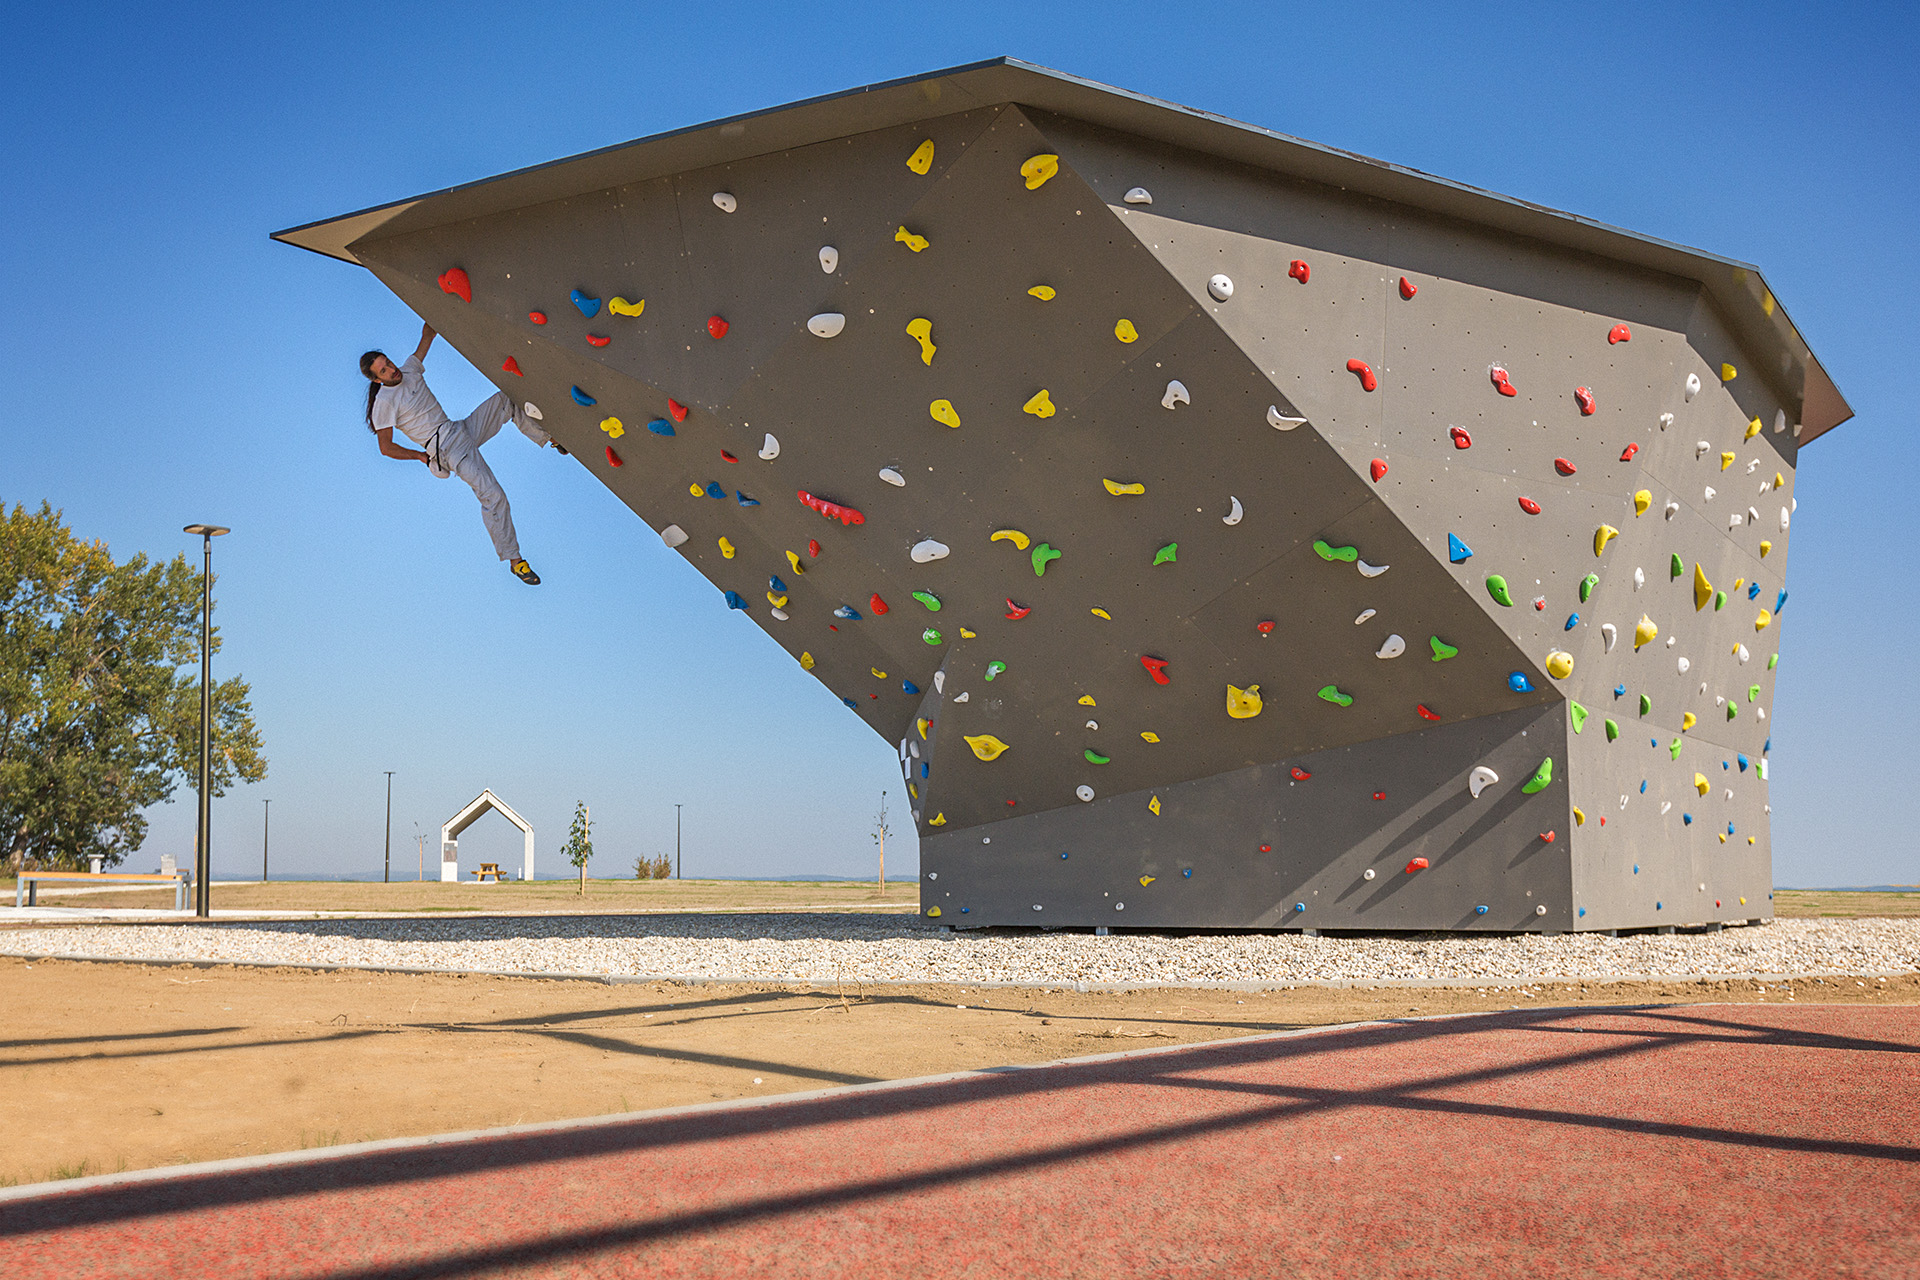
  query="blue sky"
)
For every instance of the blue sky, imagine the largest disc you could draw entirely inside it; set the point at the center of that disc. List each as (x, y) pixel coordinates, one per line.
(166, 363)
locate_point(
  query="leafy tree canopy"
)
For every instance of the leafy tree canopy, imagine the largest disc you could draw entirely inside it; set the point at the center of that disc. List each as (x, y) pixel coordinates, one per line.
(100, 695)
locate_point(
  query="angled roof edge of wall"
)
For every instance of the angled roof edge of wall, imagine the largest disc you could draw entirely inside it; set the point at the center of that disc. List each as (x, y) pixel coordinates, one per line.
(1757, 318)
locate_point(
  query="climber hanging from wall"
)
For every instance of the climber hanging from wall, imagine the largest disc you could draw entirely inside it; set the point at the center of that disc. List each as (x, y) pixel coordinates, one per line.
(400, 398)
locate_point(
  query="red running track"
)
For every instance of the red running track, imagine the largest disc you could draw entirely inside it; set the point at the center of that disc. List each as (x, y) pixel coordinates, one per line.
(1726, 1140)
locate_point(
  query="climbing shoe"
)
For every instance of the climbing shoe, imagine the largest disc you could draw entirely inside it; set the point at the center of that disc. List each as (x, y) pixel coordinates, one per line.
(524, 571)
(559, 448)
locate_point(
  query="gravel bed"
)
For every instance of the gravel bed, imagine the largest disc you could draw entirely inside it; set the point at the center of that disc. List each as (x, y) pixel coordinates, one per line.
(825, 948)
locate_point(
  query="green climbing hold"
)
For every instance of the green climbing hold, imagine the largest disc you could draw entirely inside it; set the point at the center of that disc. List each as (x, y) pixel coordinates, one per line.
(928, 599)
(1579, 714)
(1673, 751)
(1167, 554)
(1613, 731)
(994, 668)
(1497, 588)
(1733, 709)
(1094, 757)
(1587, 584)
(930, 636)
(1719, 598)
(1541, 779)
(1646, 704)
(1753, 692)
(1332, 694)
(1676, 567)
(1043, 555)
(1773, 662)
(1327, 551)
(1441, 649)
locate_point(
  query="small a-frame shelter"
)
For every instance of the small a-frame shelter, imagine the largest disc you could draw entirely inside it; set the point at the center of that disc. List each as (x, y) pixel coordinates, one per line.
(450, 834)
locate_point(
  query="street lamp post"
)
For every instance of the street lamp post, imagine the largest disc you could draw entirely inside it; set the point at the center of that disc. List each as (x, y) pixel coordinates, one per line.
(386, 861)
(203, 857)
(266, 824)
(676, 842)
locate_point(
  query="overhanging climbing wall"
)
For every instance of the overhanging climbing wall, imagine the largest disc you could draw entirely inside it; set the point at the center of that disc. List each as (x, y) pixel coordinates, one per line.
(1225, 538)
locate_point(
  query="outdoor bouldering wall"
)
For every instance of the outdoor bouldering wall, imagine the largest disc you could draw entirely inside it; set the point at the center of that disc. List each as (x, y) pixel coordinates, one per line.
(1221, 544)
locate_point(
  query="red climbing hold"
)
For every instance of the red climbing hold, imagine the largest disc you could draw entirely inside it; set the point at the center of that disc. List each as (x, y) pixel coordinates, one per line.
(1564, 467)
(1425, 714)
(1539, 604)
(1626, 454)
(1379, 795)
(1017, 612)
(1378, 467)
(676, 410)
(832, 511)
(1546, 837)
(1408, 288)
(1012, 803)
(1603, 822)
(1461, 439)
(1529, 506)
(727, 457)
(1619, 333)
(613, 459)
(1264, 627)
(813, 548)
(1585, 397)
(875, 603)
(454, 281)
(1367, 381)
(512, 366)
(716, 327)
(595, 340)
(1501, 382)
(1299, 774)
(538, 317)
(1266, 848)
(1299, 270)
(1418, 864)
(1157, 668)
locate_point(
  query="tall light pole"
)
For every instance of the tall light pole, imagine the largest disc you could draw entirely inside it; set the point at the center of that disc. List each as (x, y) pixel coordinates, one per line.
(386, 859)
(203, 856)
(266, 820)
(676, 842)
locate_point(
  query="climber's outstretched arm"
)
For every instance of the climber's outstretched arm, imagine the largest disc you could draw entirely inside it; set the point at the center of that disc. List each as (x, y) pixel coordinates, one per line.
(426, 340)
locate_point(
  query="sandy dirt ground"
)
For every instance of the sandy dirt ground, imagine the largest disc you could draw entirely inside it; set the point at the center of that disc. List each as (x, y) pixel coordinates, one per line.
(109, 1067)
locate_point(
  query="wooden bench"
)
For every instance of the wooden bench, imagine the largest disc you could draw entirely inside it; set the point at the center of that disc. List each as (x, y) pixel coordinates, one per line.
(489, 869)
(26, 888)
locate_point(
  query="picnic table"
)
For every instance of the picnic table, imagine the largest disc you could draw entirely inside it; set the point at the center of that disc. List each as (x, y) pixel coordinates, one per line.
(489, 869)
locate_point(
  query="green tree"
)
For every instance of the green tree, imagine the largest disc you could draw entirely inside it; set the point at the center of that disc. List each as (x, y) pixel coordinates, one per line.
(100, 695)
(579, 846)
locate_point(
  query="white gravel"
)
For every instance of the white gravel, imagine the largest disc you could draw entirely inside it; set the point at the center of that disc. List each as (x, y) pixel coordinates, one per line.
(823, 948)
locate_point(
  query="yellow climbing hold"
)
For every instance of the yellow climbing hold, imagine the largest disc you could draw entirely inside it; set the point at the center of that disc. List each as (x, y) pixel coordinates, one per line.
(1559, 664)
(1644, 631)
(726, 548)
(1688, 720)
(1702, 589)
(794, 559)
(1739, 583)
(778, 602)
(1037, 169)
(1149, 736)
(621, 307)
(1642, 499)
(1753, 429)
(986, 746)
(1014, 536)
(966, 634)
(1086, 700)
(1765, 546)
(696, 491)
(922, 725)
(1125, 331)
(912, 241)
(1041, 406)
(1726, 460)
(1154, 805)
(1243, 704)
(1728, 373)
(933, 913)
(942, 413)
(1044, 292)
(921, 331)
(922, 158)
(1147, 880)
(1579, 818)
(1760, 623)
(878, 674)
(806, 662)
(1779, 481)
(1700, 783)
(1119, 490)
(1603, 535)
(613, 427)
(937, 820)
(1102, 613)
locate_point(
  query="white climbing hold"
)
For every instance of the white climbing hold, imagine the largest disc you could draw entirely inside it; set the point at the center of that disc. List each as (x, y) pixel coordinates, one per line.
(1093, 724)
(1368, 874)
(1700, 448)
(1280, 421)
(1233, 516)
(1364, 615)
(1665, 805)
(962, 697)
(1753, 516)
(1370, 570)
(770, 450)
(1779, 421)
(1693, 386)
(892, 477)
(1393, 648)
(827, 324)
(1672, 641)
(1480, 779)
(927, 550)
(780, 614)
(1084, 791)
(1783, 517)
(829, 259)
(1139, 195)
(1639, 578)
(1221, 288)
(1666, 420)
(1710, 493)
(1623, 802)
(1684, 665)
(1176, 394)
(1762, 713)
(1608, 634)
(1740, 652)
(939, 682)
(1673, 509)
(1703, 688)
(1734, 520)
(1753, 465)
(673, 535)
(724, 202)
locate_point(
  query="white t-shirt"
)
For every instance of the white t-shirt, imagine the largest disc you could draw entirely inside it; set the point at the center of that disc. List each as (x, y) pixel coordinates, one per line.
(409, 408)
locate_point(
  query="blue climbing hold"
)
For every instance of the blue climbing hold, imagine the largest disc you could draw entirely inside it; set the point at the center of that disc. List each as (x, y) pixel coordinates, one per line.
(1659, 906)
(1729, 828)
(1768, 748)
(1743, 763)
(745, 501)
(1753, 591)
(1687, 818)
(1299, 906)
(851, 703)
(1457, 550)
(1518, 682)
(1780, 600)
(589, 307)
(581, 397)
(1619, 691)
(1653, 742)
(1643, 786)
(848, 612)
(1186, 873)
(735, 600)
(1725, 765)
(1063, 855)
(660, 427)
(1583, 911)
(923, 768)
(965, 910)
(1573, 620)
(776, 586)
(715, 491)
(1636, 868)
(908, 686)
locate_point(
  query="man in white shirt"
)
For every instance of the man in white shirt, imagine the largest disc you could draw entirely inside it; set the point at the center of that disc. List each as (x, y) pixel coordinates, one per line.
(399, 399)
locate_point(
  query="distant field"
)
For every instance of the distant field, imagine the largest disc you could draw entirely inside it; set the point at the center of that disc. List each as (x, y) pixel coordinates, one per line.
(1846, 903)
(517, 897)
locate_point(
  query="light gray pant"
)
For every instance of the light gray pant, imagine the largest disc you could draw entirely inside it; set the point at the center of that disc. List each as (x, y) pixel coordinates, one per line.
(455, 450)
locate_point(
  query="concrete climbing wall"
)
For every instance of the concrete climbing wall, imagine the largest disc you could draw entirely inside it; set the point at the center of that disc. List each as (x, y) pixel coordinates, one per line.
(1219, 548)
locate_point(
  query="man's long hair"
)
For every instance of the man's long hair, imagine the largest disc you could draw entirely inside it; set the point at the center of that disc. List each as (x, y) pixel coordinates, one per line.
(373, 384)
